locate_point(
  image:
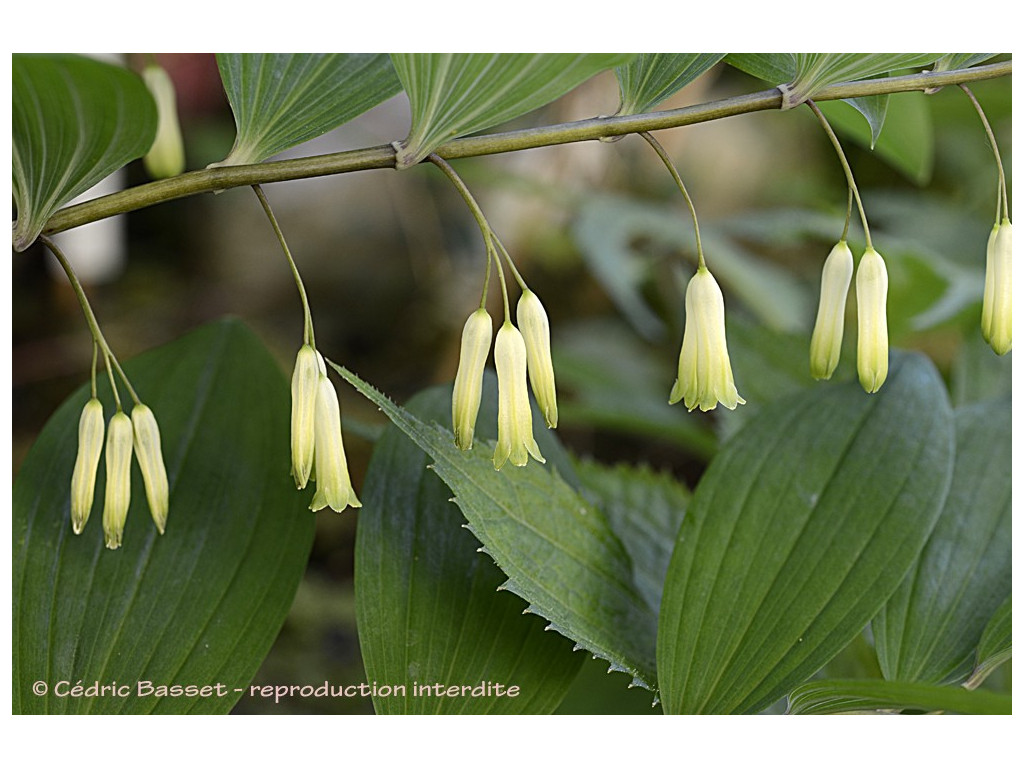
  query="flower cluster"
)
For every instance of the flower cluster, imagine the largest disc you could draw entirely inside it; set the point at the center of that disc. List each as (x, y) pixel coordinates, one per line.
(518, 353)
(704, 378)
(317, 447)
(139, 434)
(872, 327)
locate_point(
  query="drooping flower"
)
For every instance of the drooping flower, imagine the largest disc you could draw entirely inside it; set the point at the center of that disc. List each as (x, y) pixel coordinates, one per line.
(119, 477)
(308, 367)
(166, 157)
(83, 480)
(997, 306)
(872, 328)
(705, 373)
(533, 323)
(515, 420)
(151, 462)
(827, 339)
(476, 344)
(333, 485)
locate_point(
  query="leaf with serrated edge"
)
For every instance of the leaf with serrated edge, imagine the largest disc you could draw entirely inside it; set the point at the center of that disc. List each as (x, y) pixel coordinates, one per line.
(929, 630)
(799, 531)
(558, 551)
(426, 602)
(199, 605)
(645, 509)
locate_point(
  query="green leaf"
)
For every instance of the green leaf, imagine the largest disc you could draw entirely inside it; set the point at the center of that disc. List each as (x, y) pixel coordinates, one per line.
(996, 645)
(283, 99)
(427, 604)
(559, 552)
(800, 76)
(74, 121)
(929, 630)
(909, 143)
(608, 228)
(650, 78)
(799, 531)
(829, 697)
(199, 605)
(645, 509)
(455, 94)
(874, 110)
(614, 381)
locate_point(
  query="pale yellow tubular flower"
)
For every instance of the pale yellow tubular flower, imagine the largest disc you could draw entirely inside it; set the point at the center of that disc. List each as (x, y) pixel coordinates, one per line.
(515, 421)
(988, 302)
(304, 388)
(469, 380)
(872, 327)
(83, 480)
(119, 478)
(705, 373)
(827, 339)
(533, 324)
(997, 307)
(151, 462)
(166, 157)
(333, 486)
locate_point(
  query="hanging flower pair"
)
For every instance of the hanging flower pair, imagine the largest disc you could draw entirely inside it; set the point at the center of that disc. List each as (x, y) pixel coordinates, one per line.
(317, 448)
(872, 327)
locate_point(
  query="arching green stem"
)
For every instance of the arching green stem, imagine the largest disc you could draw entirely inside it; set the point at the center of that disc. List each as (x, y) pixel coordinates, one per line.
(656, 146)
(308, 336)
(846, 167)
(1002, 199)
(90, 318)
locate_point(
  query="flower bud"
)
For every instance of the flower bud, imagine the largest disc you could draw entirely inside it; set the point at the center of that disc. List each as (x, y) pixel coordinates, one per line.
(705, 373)
(515, 420)
(827, 339)
(151, 462)
(166, 157)
(333, 486)
(119, 478)
(872, 329)
(83, 480)
(476, 343)
(997, 307)
(533, 323)
(304, 388)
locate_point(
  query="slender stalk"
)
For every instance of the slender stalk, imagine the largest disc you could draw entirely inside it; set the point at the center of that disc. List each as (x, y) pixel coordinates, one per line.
(308, 336)
(846, 168)
(1002, 197)
(92, 378)
(491, 241)
(211, 179)
(656, 145)
(90, 318)
(474, 207)
(504, 287)
(113, 386)
(511, 264)
(849, 211)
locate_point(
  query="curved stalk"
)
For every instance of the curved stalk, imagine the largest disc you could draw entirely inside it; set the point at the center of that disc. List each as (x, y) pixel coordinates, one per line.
(846, 168)
(656, 145)
(212, 179)
(307, 331)
(1002, 197)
